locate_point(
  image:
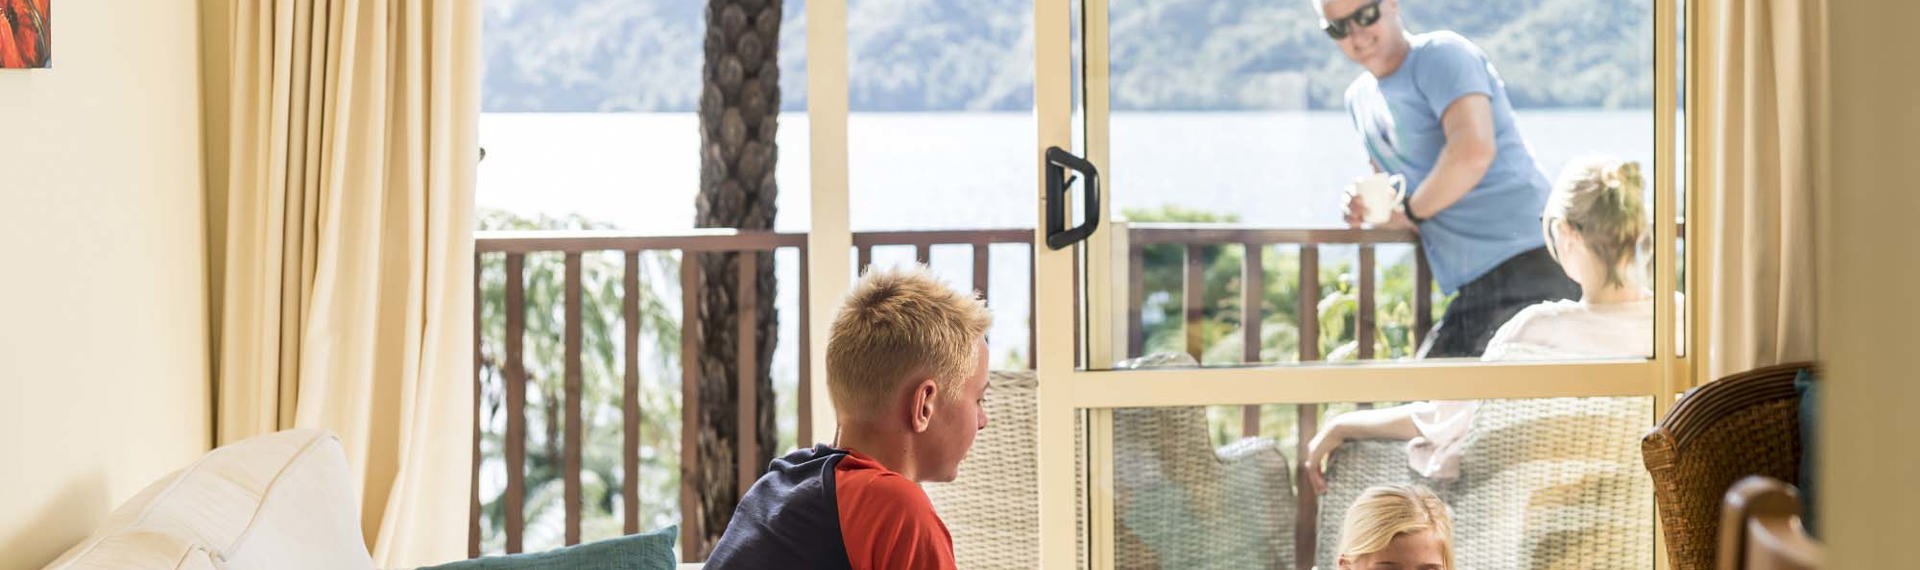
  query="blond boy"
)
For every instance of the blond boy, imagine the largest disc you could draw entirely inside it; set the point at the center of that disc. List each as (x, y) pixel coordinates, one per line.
(907, 371)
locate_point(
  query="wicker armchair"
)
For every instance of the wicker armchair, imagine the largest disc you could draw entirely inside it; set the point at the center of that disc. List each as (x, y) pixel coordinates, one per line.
(1178, 502)
(993, 507)
(1744, 424)
(1543, 484)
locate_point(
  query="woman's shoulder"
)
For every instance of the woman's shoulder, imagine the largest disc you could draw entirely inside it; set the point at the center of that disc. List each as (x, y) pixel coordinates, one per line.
(1547, 310)
(1532, 318)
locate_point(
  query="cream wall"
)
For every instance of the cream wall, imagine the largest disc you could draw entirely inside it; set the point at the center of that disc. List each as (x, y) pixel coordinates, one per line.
(1870, 294)
(103, 334)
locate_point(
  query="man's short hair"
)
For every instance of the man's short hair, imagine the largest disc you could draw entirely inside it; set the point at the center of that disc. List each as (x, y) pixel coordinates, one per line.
(895, 326)
(1319, 7)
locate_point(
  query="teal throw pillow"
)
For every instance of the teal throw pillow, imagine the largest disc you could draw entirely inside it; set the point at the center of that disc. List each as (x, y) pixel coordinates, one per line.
(1808, 388)
(644, 551)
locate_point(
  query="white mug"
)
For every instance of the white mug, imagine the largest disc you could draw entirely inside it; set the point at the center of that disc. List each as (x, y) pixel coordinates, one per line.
(1380, 193)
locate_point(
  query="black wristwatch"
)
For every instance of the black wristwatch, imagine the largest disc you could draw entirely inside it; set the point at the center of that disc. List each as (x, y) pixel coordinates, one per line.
(1406, 207)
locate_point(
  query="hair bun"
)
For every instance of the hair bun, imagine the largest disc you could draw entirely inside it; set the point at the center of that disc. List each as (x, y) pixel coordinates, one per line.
(1628, 174)
(1602, 199)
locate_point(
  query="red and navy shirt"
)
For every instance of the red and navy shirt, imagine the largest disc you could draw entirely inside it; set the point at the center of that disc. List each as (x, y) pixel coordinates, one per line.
(833, 508)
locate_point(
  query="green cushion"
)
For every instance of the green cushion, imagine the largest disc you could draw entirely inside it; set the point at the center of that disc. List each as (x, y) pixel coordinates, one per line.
(644, 551)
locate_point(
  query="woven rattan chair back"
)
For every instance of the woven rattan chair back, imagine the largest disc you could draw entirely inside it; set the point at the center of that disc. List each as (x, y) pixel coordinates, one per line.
(1741, 425)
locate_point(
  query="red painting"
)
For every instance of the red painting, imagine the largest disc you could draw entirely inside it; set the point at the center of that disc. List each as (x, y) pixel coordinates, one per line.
(26, 34)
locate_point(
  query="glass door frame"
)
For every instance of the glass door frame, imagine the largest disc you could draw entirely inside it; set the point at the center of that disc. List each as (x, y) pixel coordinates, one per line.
(1066, 392)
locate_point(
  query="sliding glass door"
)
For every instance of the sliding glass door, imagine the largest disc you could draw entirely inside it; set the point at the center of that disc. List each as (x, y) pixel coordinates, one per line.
(1204, 308)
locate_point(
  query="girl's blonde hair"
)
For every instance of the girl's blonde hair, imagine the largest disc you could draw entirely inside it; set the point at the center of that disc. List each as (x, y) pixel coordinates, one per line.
(1384, 512)
(1600, 198)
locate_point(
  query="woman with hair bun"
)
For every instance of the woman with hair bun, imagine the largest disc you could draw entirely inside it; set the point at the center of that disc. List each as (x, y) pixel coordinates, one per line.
(1595, 224)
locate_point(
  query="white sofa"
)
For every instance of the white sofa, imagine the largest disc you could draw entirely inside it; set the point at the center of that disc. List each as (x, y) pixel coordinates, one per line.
(281, 501)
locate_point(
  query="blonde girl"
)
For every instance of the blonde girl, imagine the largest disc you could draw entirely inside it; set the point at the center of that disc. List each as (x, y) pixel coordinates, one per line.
(1397, 527)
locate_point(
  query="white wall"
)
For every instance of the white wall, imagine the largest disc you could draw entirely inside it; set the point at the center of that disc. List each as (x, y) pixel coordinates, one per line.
(1869, 480)
(103, 350)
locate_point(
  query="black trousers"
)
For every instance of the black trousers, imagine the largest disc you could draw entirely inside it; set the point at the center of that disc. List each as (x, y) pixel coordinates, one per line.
(1487, 302)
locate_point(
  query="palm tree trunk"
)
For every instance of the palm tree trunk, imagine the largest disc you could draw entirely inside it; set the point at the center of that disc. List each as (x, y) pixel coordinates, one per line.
(739, 106)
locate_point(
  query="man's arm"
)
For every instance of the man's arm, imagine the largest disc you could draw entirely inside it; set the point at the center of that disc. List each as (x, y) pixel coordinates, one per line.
(1470, 149)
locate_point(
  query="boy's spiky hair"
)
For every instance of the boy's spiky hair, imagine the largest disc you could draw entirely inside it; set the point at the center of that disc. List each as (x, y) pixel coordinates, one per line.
(895, 326)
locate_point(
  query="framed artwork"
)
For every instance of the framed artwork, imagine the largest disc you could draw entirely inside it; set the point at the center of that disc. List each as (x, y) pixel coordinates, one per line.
(26, 38)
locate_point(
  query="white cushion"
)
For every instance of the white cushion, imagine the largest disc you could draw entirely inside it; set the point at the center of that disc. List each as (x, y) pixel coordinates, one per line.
(282, 500)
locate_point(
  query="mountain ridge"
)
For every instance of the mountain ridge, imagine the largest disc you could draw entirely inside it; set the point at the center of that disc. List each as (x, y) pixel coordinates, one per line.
(940, 55)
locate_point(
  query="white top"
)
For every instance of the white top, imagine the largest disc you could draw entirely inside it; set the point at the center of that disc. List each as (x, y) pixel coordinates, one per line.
(1555, 330)
(1567, 330)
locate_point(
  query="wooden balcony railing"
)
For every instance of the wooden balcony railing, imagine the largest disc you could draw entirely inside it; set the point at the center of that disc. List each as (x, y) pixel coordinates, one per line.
(573, 245)
(516, 246)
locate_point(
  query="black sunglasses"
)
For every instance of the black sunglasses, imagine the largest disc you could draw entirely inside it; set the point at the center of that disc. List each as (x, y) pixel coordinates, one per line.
(1338, 28)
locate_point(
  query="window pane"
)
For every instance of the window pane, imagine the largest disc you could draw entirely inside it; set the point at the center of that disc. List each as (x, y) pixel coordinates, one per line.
(590, 109)
(940, 138)
(589, 120)
(1237, 129)
(1680, 183)
(1551, 483)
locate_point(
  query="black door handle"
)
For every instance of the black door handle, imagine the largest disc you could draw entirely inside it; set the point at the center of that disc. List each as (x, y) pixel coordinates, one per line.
(1059, 235)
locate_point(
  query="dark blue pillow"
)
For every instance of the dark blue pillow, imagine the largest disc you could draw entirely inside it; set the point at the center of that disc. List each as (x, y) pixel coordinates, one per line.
(644, 551)
(1807, 387)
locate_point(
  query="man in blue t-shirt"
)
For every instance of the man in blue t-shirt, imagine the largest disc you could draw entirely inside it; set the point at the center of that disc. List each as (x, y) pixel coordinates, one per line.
(1430, 107)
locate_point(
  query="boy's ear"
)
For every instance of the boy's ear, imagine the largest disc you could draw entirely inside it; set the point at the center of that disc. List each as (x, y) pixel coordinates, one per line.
(923, 401)
(1345, 563)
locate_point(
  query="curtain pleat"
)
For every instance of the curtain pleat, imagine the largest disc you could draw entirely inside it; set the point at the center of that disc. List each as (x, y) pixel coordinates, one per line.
(1767, 93)
(349, 250)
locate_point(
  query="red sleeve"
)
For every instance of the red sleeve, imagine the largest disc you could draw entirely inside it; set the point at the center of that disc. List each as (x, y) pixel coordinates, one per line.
(886, 521)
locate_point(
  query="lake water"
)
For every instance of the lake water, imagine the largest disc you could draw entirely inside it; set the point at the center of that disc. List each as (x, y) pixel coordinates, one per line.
(640, 171)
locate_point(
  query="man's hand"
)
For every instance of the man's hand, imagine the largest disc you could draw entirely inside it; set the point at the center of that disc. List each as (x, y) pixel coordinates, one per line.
(1398, 220)
(1355, 213)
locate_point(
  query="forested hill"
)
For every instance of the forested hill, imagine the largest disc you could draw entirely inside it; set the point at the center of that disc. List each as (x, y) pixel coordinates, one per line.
(928, 55)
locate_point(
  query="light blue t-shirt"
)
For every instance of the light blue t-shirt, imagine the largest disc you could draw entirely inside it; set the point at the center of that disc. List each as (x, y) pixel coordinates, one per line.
(1399, 118)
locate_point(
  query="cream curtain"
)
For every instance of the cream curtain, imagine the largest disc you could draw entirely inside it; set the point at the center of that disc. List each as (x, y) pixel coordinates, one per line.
(1766, 91)
(348, 300)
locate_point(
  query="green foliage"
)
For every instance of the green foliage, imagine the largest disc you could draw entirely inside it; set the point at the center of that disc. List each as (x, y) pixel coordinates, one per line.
(602, 387)
(1175, 213)
(1163, 314)
(1393, 305)
(1220, 325)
